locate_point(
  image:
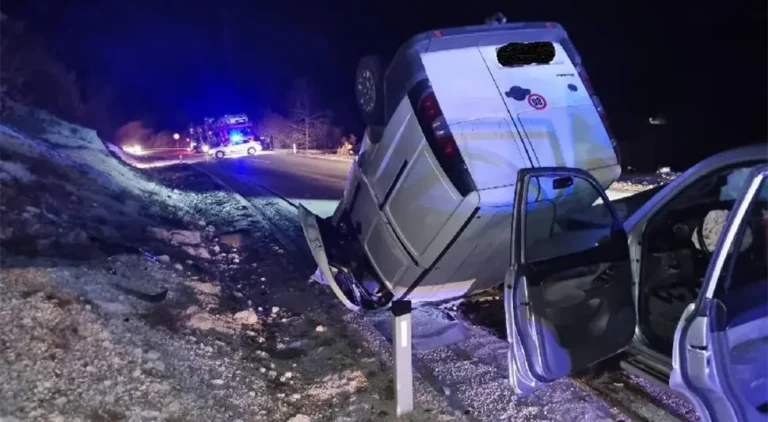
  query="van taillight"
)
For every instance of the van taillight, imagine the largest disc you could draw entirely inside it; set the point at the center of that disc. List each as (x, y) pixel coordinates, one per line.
(440, 139)
(600, 110)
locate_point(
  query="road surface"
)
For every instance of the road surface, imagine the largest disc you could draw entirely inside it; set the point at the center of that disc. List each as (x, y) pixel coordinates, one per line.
(317, 183)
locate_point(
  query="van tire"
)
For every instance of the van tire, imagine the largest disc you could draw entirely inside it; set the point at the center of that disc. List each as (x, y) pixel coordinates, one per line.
(369, 89)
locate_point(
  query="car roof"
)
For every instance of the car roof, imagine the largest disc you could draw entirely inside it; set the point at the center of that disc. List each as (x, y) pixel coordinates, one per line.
(757, 153)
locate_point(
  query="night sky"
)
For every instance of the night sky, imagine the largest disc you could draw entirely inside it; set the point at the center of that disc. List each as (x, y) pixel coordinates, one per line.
(703, 65)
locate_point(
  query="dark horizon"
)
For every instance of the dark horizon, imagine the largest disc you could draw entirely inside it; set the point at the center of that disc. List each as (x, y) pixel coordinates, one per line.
(704, 68)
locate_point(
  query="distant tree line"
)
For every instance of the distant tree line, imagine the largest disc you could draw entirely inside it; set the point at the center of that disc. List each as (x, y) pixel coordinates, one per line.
(31, 74)
(305, 124)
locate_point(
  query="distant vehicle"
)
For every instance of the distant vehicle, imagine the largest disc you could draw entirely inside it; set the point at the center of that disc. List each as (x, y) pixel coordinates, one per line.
(681, 287)
(428, 208)
(223, 131)
(235, 148)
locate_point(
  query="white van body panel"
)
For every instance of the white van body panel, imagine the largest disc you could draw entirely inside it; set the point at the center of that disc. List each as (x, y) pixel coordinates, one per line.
(413, 224)
(477, 116)
(568, 131)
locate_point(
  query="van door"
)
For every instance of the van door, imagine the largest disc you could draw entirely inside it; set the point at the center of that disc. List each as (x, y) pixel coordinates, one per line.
(568, 295)
(721, 342)
(553, 111)
(478, 118)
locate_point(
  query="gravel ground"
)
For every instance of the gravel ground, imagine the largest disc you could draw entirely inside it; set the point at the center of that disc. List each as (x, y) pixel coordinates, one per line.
(73, 347)
(126, 299)
(637, 182)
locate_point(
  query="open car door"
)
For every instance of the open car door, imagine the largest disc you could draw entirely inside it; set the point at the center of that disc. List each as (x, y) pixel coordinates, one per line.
(568, 293)
(720, 350)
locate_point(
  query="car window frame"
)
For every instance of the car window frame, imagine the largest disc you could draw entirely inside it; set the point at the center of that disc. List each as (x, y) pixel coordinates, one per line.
(666, 206)
(659, 212)
(725, 240)
(732, 255)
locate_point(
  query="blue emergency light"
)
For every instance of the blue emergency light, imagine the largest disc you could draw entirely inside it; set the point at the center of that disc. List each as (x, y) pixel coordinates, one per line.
(235, 136)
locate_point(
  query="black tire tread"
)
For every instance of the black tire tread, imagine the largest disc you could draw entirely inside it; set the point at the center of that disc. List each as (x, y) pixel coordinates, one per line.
(375, 64)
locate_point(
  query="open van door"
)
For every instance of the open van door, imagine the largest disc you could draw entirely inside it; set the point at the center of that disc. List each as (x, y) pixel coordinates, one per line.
(721, 343)
(568, 294)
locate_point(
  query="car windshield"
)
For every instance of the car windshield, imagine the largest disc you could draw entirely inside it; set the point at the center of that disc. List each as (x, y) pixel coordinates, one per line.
(625, 207)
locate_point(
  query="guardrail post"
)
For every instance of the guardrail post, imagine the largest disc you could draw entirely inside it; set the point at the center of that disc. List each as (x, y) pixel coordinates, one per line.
(401, 342)
(294, 148)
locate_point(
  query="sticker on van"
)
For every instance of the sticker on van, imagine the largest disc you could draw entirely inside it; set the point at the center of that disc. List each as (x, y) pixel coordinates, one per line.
(523, 53)
(537, 101)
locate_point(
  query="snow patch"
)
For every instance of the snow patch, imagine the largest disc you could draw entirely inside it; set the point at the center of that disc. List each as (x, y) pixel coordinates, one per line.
(15, 170)
(43, 137)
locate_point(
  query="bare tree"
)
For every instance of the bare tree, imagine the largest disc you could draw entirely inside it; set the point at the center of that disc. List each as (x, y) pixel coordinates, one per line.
(310, 125)
(347, 146)
(279, 128)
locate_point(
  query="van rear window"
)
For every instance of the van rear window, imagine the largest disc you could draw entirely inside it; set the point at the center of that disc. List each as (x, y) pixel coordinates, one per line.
(524, 53)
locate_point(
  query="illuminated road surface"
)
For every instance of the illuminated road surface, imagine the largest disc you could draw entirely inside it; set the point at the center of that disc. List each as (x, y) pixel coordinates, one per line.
(316, 183)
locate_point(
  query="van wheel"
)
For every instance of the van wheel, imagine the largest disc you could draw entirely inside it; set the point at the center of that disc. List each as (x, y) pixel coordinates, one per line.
(369, 89)
(251, 151)
(219, 154)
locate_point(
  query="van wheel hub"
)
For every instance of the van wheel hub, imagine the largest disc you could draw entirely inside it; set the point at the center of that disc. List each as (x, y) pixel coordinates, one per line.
(367, 89)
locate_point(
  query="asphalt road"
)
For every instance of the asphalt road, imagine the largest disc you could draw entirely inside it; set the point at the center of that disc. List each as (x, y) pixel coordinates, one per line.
(317, 183)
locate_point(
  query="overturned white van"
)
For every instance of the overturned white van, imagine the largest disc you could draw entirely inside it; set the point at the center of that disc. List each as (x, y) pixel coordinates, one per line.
(427, 212)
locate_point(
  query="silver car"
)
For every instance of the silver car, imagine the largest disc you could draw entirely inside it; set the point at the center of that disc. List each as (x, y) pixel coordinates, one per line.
(679, 292)
(244, 147)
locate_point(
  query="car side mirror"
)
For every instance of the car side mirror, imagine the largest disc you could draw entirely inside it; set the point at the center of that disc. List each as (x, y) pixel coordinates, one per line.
(561, 183)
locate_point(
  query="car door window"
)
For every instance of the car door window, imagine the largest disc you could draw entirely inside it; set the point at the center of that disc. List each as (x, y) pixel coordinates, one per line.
(721, 342)
(564, 221)
(743, 292)
(677, 247)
